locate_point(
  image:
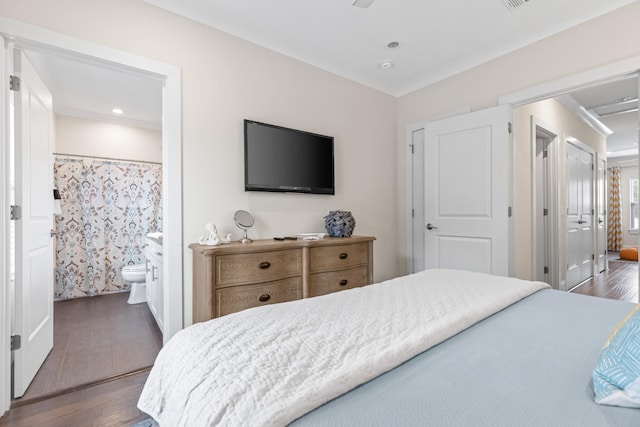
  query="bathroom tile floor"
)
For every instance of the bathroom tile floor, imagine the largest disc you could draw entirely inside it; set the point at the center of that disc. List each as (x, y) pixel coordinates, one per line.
(95, 338)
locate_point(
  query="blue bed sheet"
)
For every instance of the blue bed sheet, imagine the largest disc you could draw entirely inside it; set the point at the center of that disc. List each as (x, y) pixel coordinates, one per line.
(527, 365)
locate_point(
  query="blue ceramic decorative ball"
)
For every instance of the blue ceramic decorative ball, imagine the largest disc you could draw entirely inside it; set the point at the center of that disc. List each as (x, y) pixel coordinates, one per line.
(339, 223)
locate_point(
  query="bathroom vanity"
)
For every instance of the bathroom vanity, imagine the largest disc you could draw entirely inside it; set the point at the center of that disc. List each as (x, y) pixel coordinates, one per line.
(155, 300)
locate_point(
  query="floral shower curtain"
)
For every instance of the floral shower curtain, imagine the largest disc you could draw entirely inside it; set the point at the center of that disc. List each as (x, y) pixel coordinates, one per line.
(614, 231)
(107, 209)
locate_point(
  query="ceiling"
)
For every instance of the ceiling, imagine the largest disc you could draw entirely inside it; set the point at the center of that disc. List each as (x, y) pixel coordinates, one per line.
(615, 105)
(436, 39)
(91, 90)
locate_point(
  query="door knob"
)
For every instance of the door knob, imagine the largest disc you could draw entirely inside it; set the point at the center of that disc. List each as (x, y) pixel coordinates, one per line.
(431, 227)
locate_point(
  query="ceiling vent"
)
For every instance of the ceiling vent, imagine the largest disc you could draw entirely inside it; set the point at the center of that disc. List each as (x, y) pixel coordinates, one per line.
(514, 4)
(362, 3)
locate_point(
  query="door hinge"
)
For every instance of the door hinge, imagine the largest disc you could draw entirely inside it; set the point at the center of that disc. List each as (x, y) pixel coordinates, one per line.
(545, 212)
(509, 128)
(412, 148)
(15, 342)
(544, 154)
(16, 212)
(413, 213)
(546, 270)
(14, 83)
(593, 257)
(509, 211)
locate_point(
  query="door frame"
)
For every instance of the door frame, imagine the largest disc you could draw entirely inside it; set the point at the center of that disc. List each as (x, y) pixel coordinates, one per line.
(411, 190)
(5, 320)
(29, 36)
(549, 187)
(605, 186)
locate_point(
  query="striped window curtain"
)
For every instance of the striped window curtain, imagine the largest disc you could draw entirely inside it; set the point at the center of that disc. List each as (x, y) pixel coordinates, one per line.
(614, 231)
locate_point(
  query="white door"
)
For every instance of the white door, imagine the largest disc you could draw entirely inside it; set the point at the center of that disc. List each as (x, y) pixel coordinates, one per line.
(467, 177)
(601, 206)
(33, 129)
(579, 170)
(417, 200)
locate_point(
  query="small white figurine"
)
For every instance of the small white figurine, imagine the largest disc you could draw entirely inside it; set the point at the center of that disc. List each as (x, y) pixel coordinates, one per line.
(212, 238)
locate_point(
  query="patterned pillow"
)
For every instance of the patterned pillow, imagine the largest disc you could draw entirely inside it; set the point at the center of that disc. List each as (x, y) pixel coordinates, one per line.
(616, 378)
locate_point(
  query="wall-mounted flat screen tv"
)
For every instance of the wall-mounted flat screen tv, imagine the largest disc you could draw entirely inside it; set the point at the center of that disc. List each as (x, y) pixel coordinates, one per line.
(287, 160)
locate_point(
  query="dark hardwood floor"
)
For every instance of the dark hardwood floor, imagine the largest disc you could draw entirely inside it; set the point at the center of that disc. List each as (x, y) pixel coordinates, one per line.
(95, 339)
(103, 350)
(619, 282)
(109, 404)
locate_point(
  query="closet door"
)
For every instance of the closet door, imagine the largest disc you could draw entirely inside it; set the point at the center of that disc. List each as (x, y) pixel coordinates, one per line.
(579, 173)
(467, 176)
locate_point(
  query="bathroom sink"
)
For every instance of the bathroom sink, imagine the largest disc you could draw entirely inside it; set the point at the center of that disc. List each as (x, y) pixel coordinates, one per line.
(155, 236)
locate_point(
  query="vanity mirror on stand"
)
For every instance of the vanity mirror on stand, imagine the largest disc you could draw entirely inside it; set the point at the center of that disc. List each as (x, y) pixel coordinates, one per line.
(244, 220)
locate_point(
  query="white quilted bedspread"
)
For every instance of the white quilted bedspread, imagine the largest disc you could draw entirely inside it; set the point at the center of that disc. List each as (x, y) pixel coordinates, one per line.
(270, 365)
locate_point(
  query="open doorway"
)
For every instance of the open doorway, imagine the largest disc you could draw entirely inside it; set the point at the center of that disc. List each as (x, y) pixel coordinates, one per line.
(545, 266)
(29, 37)
(607, 113)
(107, 178)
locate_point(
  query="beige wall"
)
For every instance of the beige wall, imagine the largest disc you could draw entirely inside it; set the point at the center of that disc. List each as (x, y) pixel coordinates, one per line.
(566, 124)
(101, 139)
(225, 80)
(608, 39)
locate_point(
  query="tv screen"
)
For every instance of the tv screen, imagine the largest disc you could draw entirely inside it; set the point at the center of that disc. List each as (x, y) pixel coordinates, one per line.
(287, 160)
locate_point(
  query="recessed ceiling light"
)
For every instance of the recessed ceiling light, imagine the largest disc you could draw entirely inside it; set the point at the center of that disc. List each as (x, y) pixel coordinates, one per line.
(393, 45)
(117, 111)
(386, 64)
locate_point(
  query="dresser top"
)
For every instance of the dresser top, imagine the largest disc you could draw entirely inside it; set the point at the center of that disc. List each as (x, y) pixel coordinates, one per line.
(271, 244)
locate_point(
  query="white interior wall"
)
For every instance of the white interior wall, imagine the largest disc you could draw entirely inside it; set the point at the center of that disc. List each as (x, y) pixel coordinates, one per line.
(225, 80)
(104, 139)
(594, 44)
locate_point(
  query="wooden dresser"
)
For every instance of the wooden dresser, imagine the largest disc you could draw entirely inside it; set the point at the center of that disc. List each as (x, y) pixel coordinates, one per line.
(236, 276)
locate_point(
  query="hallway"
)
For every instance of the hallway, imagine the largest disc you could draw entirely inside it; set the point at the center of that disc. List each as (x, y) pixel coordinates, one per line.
(619, 282)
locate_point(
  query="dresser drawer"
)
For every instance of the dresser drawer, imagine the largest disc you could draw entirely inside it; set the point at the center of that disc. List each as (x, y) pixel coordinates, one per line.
(333, 281)
(325, 258)
(237, 298)
(257, 267)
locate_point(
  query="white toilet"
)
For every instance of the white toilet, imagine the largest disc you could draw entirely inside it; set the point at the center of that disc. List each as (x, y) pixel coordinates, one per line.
(136, 275)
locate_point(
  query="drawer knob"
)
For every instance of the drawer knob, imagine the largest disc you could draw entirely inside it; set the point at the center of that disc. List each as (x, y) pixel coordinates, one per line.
(264, 298)
(264, 265)
(343, 255)
(343, 282)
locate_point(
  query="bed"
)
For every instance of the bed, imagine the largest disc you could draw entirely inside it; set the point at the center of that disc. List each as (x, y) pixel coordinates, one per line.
(440, 347)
